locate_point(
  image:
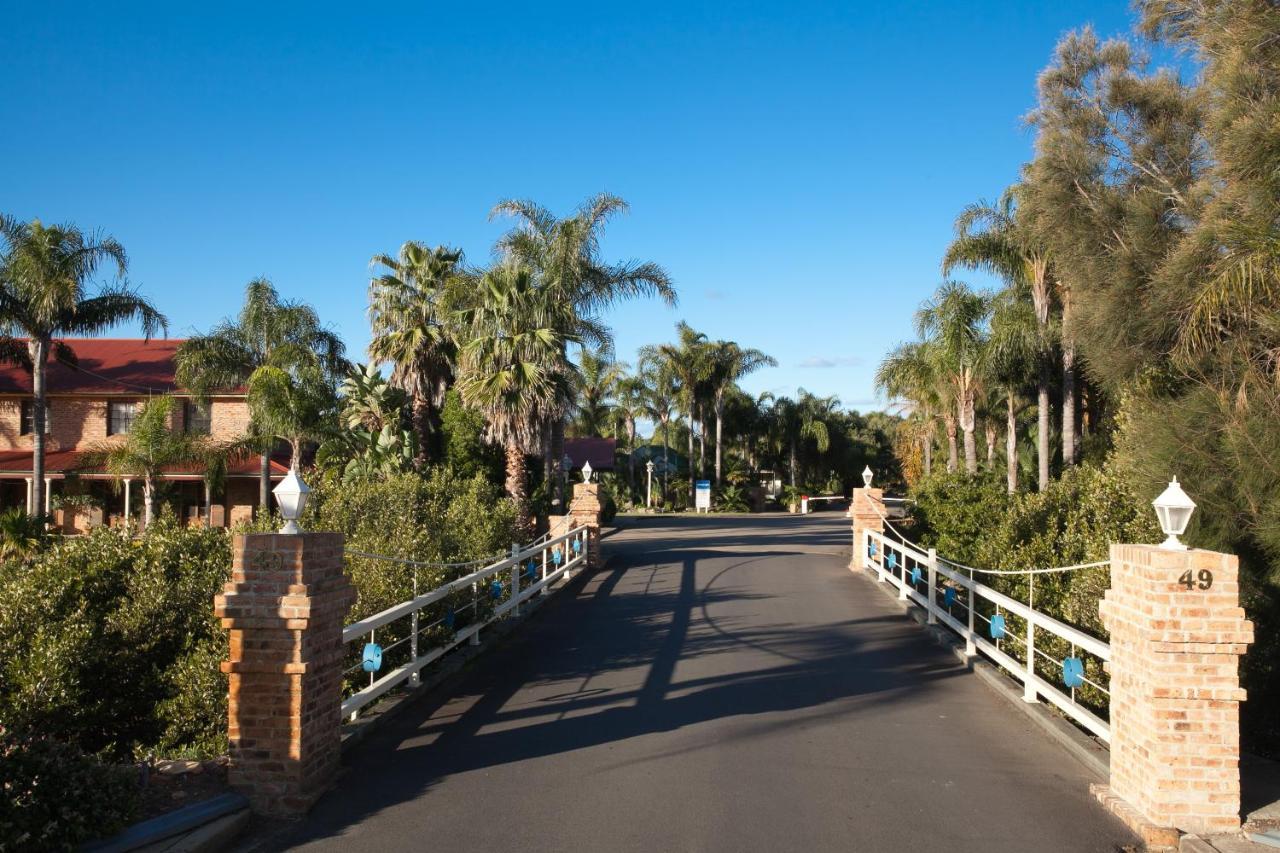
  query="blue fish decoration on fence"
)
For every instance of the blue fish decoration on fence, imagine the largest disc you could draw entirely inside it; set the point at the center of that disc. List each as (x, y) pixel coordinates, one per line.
(371, 661)
(577, 546)
(450, 618)
(495, 589)
(997, 626)
(557, 557)
(892, 560)
(915, 575)
(871, 549)
(1072, 672)
(532, 569)
(949, 597)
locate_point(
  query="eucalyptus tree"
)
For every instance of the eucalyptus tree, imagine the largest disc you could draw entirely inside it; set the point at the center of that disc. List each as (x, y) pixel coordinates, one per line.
(996, 239)
(597, 385)
(801, 420)
(277, 346)
(513, 370)
(954, 322)
(728, 363)
(908, 374)
(409, 307)
(564, 255)
(153, 446)
(45, 272)
(688, 362)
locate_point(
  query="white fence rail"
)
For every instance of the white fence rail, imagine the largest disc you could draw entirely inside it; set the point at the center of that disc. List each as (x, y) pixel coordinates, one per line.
(924, 579)
(528, 571)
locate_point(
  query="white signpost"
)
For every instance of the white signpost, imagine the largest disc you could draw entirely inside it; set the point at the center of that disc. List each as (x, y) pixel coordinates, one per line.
(702, 496)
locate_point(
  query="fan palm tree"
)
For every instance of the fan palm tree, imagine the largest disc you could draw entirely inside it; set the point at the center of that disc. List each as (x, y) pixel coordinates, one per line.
(153, 446)
(564, 255)
(801, 420)
(954, 321)
(513, 370)
(598, 378)
(689, 364)
(991, 237)
(728, 363)
(43, 296)
(268, 335)
(907, 374)
(408, 312)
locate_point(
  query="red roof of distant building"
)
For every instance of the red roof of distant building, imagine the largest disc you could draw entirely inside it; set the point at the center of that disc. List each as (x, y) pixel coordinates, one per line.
(104, 366)
(597, 451)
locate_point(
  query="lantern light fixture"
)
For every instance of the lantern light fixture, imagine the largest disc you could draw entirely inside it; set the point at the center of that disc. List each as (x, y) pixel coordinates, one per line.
(586, 472)
(1174, 509)
(291, 496)
(867, 474)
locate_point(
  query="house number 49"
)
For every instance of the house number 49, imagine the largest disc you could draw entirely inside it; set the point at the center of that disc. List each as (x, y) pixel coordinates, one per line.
(1203, 579)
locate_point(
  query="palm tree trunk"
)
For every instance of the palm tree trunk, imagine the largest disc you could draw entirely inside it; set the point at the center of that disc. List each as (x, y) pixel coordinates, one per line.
(557, 459)
(39, 350)
(953, 453)
(516, 476)
(792, 460)
(422, 426)
(666, 464)
(148, 500)
(970, 451)
(1011, 445)
(702, 445)
(989, 429)
(692, 475)
(631, 452)
(264, 482)
(1068, 403)
(928, 454)
(719, 434)
(1042, 427)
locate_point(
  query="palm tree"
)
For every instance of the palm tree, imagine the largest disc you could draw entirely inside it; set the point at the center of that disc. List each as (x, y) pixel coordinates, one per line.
(800, 420)
(46, 271)
(993, 238)
(728, 363)
(908, 374)
(268, 334)
(296, 404)
(1013, 352)
(954, 321)
(661, 394)
(408, 313)
(564, 255)
(152, 446)
(689, 364)
(512, 369)
(598, 378)
(628, 407)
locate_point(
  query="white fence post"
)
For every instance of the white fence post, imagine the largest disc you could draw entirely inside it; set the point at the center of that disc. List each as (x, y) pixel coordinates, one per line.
(515, 580)
(930, 604)
(544, 571)
(1029, 692)
(970, 645)
(475, 615)
(414, 679)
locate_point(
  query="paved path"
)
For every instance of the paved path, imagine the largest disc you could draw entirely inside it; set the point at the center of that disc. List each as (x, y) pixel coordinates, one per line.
(725, 685)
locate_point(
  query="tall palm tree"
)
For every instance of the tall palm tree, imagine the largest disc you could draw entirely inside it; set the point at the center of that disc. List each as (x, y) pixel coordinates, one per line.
(512, 368)
(43, 296)
(908, 374)
(729, 363)
(992, 237)
(688, 361)
(628, 408)
(1013, 353)
(598, 378)
(661, 396)
(564, 254)
(409, 305)
(954, 320)
(152, 446)
(800, 420)
(268, 335)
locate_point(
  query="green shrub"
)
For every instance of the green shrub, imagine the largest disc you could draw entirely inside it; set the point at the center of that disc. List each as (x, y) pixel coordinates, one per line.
(731, 498)
(955, 511)
(55, 797)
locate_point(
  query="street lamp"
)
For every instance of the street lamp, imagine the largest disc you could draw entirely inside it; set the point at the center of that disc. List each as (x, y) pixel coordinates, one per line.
(291, 496)
(648, 495)
(866, 476)
(586, 471)
(1174, 509)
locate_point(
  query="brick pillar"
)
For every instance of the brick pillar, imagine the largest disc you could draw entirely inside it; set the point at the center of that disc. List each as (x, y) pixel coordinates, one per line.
(585, 508)
(1175, 688)
(285, 607)
(867, 510)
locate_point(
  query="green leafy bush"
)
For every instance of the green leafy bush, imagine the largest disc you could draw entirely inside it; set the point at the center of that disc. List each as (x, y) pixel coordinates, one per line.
(954, 512)
(55, 797)
(731, 498)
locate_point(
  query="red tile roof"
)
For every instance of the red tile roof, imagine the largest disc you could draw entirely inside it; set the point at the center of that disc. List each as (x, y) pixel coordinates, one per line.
(18, 462)
(597, 451)
(104, 366)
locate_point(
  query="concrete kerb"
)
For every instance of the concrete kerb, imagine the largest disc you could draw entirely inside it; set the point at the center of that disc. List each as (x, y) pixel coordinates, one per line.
(1093, 754)
(495, 635)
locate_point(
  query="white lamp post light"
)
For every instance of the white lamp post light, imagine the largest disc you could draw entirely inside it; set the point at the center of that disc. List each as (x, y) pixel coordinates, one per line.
(1174, 509)
(586, 472)
(866, 476)
(291, 496)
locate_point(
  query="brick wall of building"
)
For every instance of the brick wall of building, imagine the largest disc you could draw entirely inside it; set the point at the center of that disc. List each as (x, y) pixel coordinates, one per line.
(81, 421)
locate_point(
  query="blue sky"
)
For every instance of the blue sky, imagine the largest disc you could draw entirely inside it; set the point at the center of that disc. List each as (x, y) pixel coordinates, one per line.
(795, 166)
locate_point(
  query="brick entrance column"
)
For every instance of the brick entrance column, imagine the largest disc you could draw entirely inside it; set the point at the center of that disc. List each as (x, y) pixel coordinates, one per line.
(285, 607)
(867, 510)
(1177, 634)
(585, 508)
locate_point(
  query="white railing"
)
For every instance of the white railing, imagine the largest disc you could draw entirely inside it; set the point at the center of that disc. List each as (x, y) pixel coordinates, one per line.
(921, 577)
(529, 570)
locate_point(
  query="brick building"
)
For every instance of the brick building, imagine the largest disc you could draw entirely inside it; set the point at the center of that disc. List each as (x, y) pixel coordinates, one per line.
(97, 399)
